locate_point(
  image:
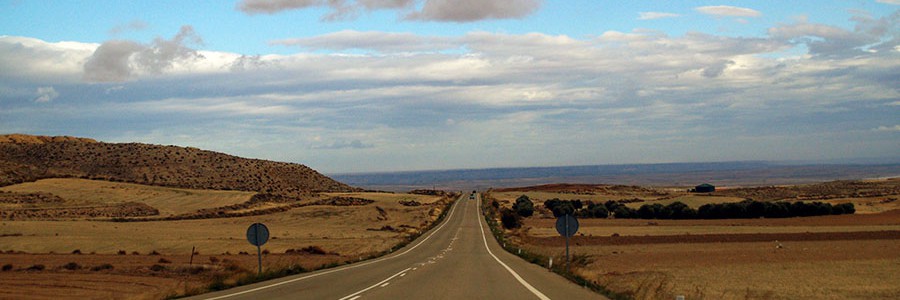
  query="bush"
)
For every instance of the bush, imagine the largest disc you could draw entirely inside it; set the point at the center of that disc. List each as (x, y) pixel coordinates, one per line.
(510, 219)
(624, 212)
(71, 266)
(679, 211)
(596, 211)
(164, 261)
(650, 211)
(76, 251)
(102, 267)
(36, 268)
(847, 208)
(7, 267)
(157, 268)
(121, 252)
(523, 206)
(561, 207)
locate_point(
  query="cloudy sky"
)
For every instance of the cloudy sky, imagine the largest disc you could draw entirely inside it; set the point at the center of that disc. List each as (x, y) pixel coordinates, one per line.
(388, 85)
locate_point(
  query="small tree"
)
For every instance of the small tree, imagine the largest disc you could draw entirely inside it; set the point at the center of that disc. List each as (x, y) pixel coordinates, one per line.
(624, 212)
(598, 211)
(523, 206)
(510, 219)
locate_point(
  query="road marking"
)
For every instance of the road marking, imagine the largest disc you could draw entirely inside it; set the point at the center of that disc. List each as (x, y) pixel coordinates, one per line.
(374, 285)
(354, 298)
(516, 275)
(385, 284)
(447, 220)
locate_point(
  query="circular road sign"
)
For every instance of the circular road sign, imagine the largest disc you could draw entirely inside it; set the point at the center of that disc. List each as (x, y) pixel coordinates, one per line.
(567, 231)
(258, 234)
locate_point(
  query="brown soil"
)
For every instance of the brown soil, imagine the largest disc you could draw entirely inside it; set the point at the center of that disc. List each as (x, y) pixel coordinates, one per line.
(132, 276)
(716, 238)
(891, 217)
(818, 191)
(123, 210)
(585, 189)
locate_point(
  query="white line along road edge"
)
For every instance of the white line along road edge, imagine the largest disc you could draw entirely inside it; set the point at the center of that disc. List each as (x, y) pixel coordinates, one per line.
(514, 274)
(377, 284)
(446, 220)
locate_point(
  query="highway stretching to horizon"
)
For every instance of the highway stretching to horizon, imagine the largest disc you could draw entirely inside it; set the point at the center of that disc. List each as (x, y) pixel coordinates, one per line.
(458, 259)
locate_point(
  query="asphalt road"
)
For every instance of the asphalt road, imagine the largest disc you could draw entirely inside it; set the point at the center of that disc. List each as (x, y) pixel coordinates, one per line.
(458, 259)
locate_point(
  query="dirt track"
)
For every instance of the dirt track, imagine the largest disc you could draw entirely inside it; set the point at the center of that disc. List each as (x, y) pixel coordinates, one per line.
(718, 238)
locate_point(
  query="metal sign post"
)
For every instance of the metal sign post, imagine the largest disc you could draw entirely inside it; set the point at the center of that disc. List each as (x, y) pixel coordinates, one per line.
(567, 226)
(257, 235)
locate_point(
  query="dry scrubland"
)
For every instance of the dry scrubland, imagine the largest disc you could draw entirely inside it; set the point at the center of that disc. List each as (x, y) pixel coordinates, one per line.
(828, 257)
(86, 219)
(156, 254)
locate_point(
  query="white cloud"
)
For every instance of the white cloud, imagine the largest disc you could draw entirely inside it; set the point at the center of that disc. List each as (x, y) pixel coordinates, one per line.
(431, 10)
(136, 25)
(895, 128)
(342, 144)
(118, 60)
(374, 40)
(46, 94)
(728, 11)
(651, 15)
(35, 59)
(625, 95)
(474, 10)
(868, 36)
(894, 2)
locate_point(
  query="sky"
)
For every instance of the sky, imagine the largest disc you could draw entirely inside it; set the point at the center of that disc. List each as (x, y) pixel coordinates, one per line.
(396, 85)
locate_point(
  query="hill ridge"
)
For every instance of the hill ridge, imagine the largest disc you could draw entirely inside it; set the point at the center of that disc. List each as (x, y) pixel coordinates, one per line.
(28, 158)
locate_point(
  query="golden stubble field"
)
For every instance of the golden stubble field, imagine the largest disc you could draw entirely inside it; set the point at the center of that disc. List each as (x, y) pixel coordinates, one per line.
(828, 257)
(152, 259)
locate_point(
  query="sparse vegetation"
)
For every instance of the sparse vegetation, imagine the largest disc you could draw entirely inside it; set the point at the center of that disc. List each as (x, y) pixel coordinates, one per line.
(510, 219)
(37, 267)
(72, 266)
(523, 206)
(102, 267)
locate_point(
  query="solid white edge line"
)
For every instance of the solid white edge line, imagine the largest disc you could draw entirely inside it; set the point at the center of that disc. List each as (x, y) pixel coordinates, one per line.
(447, 220)
(516, 275)
(385, 281)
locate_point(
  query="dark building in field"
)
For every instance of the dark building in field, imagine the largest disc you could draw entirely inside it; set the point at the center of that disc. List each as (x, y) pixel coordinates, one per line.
(704, 188)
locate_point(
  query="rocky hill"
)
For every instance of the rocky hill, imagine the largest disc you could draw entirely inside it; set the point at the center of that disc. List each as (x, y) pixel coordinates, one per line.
(27, 158)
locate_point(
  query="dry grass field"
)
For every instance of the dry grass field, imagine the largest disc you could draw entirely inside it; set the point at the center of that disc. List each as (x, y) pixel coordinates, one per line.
(157, 253)
(169, 201)
(826, 257)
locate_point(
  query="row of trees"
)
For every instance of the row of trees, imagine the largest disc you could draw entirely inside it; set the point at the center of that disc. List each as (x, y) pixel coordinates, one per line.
(678, 210)
(524, 207)
(781, 209)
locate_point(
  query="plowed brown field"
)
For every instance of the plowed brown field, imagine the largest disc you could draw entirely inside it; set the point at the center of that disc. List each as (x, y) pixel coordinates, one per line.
(827, 257)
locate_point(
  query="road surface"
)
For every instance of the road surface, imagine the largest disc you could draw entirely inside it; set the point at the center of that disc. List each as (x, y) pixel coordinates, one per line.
(458, 259)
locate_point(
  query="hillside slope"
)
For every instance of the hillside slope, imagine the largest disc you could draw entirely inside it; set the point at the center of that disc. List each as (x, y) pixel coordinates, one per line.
(28, 158)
